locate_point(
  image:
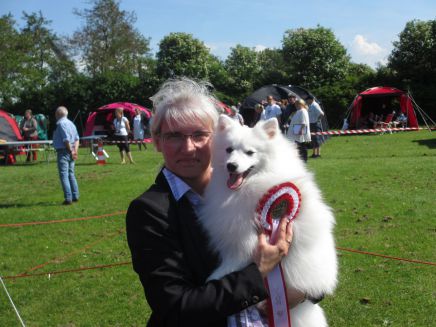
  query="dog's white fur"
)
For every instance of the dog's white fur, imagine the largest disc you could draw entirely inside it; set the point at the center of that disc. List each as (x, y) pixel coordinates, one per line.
(228, 215)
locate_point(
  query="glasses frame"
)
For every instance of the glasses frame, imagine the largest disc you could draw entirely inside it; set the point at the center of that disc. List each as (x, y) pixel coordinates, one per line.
(176, 139)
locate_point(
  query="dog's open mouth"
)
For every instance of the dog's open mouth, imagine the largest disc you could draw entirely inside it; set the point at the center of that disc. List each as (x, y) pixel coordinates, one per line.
(235, 180)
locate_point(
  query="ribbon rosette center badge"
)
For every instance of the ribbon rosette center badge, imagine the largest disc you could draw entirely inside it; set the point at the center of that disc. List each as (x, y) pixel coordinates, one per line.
(280, 201)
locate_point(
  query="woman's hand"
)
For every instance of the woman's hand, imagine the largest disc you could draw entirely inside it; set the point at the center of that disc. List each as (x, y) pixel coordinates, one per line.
(267, 255)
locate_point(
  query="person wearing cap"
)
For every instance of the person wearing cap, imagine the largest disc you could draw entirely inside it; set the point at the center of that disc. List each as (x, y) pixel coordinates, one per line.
(289, 110)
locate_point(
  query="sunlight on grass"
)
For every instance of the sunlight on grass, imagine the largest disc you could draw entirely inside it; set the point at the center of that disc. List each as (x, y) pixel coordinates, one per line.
(380, 187)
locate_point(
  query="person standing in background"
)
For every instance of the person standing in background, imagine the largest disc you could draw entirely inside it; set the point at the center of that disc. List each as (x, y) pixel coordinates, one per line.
(288, 112)
(315, 114)
(122, 130)
(140, 122)
(66, 143)
(29, 130)
(272, 110)
(299, 128)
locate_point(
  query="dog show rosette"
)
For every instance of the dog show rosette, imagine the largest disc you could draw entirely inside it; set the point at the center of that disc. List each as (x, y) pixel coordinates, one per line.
(281, 201)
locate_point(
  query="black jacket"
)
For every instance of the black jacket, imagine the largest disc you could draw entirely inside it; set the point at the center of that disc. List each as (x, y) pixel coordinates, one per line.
(170, 255)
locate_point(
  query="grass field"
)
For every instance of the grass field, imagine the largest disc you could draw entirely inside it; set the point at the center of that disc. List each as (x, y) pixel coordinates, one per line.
(382, 189)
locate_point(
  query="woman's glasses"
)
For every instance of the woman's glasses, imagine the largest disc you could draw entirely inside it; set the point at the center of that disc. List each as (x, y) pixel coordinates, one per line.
(176, 139)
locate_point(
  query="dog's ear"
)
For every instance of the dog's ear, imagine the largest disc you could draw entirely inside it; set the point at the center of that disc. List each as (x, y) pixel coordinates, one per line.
(271, 127)
(224, 122)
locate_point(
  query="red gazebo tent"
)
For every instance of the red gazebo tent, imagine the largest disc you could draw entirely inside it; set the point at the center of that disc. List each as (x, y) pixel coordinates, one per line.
(99, 121)
(382, 100)
(9, 130)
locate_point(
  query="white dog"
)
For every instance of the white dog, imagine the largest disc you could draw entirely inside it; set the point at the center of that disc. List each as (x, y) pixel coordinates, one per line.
(247, 162)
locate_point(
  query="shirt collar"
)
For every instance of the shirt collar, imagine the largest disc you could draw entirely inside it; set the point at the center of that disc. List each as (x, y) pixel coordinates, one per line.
(178, 187)
(60, 120)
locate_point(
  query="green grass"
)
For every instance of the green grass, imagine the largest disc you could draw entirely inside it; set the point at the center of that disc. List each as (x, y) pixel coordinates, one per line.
(382, 189)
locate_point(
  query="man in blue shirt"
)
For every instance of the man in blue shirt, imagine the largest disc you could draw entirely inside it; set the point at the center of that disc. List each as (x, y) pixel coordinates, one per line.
(66, 143)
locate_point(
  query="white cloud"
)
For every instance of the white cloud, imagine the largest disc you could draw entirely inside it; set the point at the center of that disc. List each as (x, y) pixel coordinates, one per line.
(370, 53)
(362, 46)
(259, 48)
(220, 49)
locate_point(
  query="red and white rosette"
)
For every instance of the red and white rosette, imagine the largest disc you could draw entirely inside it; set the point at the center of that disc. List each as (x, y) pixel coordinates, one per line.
(280, 201)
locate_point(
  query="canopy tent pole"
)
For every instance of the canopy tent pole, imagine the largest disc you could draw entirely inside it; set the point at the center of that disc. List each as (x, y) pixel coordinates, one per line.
(347, 113)
(421, 111)
(12, 303)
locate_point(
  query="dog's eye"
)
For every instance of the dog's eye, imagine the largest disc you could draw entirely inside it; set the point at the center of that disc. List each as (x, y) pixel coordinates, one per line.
(249, 152)
(229, 150)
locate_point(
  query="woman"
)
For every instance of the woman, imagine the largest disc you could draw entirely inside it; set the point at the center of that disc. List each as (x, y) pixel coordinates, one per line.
(169, 249)
(299, 128)
(28, 127)
(122, 130)
(139, 123)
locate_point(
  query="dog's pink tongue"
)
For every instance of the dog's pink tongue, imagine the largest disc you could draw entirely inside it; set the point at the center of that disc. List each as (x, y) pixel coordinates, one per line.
(234, 181)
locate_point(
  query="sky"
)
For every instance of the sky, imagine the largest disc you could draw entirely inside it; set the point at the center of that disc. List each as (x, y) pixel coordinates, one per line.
(365, 28)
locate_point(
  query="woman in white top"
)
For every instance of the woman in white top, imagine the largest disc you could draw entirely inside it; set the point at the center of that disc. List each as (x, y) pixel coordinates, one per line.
(299, 128)
(138, 128)
(122, 130)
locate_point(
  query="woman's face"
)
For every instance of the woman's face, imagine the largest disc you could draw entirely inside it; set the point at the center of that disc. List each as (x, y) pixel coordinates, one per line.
(118, 114)
(188, 159)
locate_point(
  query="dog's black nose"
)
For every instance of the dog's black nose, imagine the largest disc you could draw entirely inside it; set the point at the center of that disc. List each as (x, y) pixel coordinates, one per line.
(231, 167)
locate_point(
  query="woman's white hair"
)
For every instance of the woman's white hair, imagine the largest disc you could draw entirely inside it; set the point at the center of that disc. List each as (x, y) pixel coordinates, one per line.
(182, 101)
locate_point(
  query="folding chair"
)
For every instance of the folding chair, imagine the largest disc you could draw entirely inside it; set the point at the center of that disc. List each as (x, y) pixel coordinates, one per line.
(387, 123)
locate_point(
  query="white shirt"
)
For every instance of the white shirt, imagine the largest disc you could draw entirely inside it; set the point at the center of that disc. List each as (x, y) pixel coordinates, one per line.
(120, 126)
(299, 129)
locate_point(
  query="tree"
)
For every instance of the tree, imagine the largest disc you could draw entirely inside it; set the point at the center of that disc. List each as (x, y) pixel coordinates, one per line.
(47, 56)
(413, 62)
(414, 54)
(272, 68)
(180, 54)
(31, 58)
(243, 68)
(11, 56)
(314, 57)
(108, 41)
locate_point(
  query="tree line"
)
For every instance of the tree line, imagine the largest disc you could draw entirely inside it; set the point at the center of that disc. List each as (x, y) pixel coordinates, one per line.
(108, 60)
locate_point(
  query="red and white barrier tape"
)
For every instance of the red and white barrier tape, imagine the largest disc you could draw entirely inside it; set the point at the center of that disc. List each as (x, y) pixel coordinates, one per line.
(367, 131)
(130, 142)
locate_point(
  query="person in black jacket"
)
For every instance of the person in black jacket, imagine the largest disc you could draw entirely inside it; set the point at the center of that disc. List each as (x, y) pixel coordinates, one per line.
(169, 249)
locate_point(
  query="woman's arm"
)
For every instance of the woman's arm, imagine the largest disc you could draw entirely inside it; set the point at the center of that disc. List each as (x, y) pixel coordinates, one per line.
(126, 121)
(172, 288)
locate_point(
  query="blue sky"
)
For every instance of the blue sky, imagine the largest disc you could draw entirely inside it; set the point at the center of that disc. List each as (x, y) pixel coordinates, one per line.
(365, 28)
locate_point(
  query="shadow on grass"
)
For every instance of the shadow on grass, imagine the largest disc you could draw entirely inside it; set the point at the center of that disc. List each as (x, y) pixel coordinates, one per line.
(27, 205)
(431, 144)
